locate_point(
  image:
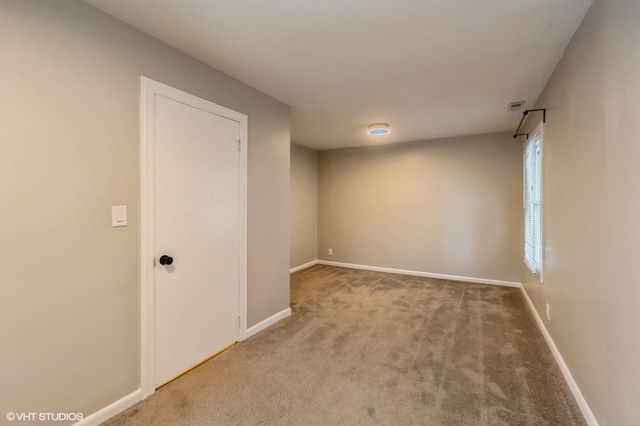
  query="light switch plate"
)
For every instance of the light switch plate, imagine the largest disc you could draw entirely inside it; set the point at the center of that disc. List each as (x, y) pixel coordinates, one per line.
(118, 216)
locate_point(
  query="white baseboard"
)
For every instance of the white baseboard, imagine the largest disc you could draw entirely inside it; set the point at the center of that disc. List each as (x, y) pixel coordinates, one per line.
(423, 274)
(111, 410)
(568, 377)
(122, 404)
(268, 322)
(304, 266)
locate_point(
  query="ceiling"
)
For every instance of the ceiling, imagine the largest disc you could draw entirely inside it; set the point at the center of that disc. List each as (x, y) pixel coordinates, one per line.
(429, 68)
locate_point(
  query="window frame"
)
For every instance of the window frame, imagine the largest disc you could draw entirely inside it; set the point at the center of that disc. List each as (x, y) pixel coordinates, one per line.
(533, 250)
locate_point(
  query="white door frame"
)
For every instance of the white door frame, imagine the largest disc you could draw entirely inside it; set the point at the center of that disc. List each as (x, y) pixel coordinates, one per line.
(149, 89)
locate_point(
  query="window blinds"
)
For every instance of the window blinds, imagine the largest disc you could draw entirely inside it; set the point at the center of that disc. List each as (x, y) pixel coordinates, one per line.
(532, 196)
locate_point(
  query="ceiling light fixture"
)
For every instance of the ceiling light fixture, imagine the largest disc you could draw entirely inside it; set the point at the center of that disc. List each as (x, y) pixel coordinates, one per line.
(378, 129)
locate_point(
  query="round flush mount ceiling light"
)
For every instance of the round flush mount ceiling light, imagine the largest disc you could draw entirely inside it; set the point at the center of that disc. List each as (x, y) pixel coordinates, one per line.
(378, 129)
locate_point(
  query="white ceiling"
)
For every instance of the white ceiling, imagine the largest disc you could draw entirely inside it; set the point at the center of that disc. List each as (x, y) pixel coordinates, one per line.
(429, 68)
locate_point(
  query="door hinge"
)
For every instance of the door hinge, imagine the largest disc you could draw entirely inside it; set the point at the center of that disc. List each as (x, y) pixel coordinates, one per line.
(239, 321)
(239, 145)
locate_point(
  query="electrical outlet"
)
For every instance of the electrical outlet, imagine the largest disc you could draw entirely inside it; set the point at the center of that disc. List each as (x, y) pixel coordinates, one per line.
(549, 312)
(330, 252)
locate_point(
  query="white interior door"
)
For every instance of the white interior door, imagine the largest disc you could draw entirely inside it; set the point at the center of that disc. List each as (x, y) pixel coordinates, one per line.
(197, 225)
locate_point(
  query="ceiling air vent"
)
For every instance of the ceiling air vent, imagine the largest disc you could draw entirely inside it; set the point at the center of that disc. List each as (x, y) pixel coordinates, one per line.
(514, 106)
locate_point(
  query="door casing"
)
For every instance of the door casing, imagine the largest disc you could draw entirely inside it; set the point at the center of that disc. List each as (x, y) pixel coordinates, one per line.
(149, 89)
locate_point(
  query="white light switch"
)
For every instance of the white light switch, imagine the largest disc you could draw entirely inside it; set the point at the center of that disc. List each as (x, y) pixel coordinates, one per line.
(118, 216)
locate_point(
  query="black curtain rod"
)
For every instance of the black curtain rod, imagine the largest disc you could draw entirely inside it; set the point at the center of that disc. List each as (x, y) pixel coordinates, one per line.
(524, 114)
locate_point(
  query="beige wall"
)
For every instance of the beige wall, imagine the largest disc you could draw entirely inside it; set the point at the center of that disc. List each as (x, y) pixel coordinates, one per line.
(449, 206)
(591, 204)
(304, 205)
(69, 309)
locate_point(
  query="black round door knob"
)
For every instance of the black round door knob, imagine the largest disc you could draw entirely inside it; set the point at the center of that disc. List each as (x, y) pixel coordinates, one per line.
(166, 260)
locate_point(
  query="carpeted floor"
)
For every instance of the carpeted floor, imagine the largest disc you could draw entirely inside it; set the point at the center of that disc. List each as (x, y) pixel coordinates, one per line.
(372, 348)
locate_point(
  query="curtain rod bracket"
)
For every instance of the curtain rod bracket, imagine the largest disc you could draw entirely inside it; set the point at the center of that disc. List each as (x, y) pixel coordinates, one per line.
(524, 114)
(544, 113)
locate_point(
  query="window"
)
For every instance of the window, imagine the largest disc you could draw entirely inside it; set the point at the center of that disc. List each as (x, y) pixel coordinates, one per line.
(532, 203)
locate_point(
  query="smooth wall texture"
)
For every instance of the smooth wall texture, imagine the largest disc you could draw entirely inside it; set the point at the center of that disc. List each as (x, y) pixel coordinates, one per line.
(591, 172)
(304, 205)
(69, 311)
(448, 206)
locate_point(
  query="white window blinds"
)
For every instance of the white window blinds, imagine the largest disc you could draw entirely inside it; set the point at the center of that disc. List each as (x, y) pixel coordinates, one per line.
(532, 197)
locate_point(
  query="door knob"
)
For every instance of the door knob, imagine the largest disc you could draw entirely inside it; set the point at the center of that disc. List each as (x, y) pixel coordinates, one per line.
(166, 260)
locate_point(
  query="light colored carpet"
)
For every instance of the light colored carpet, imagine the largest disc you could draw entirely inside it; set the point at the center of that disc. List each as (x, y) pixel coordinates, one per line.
(372, 348)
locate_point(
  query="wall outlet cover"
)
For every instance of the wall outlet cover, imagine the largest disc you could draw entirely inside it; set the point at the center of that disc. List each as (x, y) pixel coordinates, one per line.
(548, 309)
